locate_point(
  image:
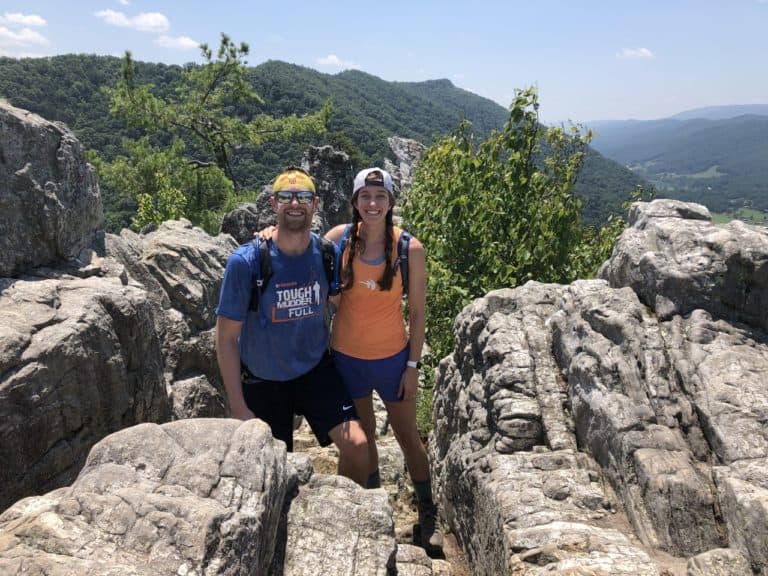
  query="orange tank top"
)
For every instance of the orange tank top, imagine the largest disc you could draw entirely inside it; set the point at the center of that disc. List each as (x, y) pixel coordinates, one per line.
(369, 323)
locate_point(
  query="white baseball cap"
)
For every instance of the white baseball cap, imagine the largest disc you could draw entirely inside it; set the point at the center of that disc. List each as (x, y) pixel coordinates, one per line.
(373, 177)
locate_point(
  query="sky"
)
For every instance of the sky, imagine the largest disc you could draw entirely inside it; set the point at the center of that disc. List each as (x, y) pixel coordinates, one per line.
(590, 59)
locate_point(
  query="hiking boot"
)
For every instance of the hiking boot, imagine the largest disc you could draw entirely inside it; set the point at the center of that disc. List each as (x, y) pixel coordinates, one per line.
(430, 538)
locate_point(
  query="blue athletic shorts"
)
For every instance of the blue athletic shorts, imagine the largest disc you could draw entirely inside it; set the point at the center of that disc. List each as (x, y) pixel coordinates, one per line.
(361, 376)
(319, 396)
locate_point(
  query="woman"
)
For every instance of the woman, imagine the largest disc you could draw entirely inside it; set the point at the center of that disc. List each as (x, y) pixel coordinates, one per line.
(372, 349)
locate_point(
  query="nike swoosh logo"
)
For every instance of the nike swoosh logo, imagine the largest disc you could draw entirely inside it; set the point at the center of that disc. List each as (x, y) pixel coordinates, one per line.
(346, 407)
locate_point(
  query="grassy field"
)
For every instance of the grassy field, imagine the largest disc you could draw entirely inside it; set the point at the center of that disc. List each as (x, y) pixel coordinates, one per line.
(747, 215)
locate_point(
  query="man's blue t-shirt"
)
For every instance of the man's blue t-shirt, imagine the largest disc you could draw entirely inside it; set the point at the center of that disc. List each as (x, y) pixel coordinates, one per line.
(288, 335)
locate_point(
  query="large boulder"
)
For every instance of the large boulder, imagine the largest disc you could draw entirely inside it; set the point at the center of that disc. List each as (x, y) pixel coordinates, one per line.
(635, 404)
(198, 496)
(79, 359)
(677, 260)
(50, 205)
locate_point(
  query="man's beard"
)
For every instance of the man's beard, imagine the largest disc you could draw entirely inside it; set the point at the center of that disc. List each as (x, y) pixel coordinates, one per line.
(295, 224)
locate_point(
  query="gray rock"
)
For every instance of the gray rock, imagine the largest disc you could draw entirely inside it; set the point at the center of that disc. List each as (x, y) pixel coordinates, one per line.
(332, 171)
(79, 359)
(677, 260)
(191, 497)
(718, 562)
(413, 561)
(181, 268)
(249, 217)
(407, 155)
(337, 527)
(50, 204)
(543, 370)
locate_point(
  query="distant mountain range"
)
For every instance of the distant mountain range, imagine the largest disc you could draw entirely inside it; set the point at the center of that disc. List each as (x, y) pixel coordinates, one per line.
(717, 156)
(366, 111)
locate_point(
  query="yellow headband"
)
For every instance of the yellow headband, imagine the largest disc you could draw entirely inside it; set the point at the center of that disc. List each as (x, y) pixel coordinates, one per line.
(293, 180)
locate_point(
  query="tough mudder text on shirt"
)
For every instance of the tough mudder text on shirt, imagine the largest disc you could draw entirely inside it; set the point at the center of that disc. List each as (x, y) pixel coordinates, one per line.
(294, 302)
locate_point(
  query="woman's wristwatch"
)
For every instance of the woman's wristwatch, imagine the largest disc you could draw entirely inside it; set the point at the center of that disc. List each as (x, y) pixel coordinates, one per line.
(413, 364)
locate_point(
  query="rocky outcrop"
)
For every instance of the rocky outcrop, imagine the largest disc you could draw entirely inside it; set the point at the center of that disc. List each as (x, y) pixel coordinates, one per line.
(580, 427)
(79, 359)
(202, 496)
(677, 261)
(407, 155)
(50, 206)
(180, 267)
(97, 332)
(332, 170)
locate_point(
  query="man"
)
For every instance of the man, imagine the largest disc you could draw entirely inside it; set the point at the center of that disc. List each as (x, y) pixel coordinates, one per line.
(274, 359)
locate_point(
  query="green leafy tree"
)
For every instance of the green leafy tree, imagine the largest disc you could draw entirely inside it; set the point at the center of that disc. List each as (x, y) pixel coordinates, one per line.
(163, 184)
(501, 213)
(206, 121)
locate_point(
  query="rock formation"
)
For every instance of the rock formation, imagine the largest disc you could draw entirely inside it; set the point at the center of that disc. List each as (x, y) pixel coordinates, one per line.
(50, 207)
(615, 425)
(407, 155)
(198, 496)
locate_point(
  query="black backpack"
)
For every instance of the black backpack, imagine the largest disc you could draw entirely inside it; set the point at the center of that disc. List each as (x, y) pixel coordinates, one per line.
(261, 267)
(402, 253)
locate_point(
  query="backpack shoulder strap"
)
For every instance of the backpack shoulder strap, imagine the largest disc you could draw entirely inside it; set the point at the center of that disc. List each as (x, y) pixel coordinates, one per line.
(344, 238)
(403, 243)
(261, 270)
(331, 260)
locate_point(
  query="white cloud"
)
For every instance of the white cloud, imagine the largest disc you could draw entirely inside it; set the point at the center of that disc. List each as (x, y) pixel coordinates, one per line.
(144, 22)
(177, 42)
(635, 54)
(23, 37)
(16, 18)
(114, 18)
(333, 61)
(124, 2)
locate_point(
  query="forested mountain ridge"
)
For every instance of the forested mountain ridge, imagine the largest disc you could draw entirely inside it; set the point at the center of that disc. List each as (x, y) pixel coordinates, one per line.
(366, 111)
(722, 112)
(721, 162)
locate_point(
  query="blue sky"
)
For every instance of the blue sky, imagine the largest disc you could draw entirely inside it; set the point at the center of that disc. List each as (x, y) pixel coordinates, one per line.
(590, 59)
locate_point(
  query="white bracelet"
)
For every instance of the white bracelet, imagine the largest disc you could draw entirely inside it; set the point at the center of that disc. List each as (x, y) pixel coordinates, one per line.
(413, 364)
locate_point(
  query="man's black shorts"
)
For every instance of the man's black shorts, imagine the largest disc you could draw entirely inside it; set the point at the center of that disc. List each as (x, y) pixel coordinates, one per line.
(319, 396)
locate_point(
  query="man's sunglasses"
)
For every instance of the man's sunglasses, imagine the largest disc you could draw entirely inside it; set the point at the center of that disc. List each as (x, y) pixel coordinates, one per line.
(287, 196)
